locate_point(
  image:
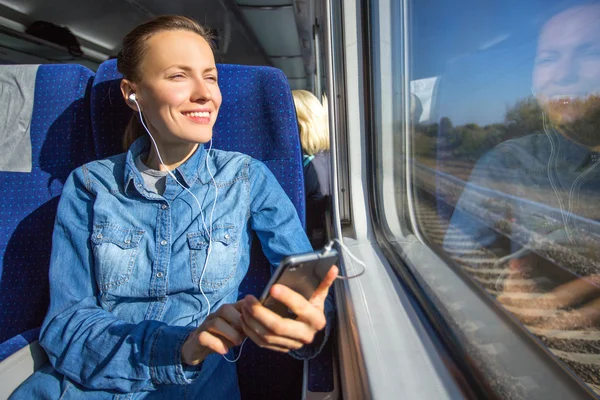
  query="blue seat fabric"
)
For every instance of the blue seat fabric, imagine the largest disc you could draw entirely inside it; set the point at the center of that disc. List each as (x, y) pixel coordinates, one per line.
(61, 140)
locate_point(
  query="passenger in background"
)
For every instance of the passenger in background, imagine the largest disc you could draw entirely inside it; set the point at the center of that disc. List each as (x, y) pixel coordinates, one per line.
(313, 125)
(546, 231)
(150, 246)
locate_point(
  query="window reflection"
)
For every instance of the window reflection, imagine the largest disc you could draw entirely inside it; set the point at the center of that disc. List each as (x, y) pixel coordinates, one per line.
(516, 196)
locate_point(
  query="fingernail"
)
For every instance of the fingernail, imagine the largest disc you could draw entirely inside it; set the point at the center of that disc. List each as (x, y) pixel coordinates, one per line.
(275, 290)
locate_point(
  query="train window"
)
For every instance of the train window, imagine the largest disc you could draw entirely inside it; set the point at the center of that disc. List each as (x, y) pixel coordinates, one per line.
(493, 115)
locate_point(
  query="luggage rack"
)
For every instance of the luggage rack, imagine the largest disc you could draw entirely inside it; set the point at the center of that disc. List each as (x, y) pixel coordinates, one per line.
(21, 48)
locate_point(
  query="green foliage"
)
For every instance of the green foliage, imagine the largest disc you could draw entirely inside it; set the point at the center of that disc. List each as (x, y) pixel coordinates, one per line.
(470, 141)
(524, 118)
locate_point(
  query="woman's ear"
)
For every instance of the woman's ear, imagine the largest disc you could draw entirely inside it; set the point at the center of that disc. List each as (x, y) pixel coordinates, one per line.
(127, 89)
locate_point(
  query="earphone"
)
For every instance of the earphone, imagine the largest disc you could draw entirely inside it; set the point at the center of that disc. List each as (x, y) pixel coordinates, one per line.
(208, 230)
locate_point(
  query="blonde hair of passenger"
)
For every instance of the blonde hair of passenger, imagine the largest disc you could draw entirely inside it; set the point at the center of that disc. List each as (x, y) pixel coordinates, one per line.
(312, 122)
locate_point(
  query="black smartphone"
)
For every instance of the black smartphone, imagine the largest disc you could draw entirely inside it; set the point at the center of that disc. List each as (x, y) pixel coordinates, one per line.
(303, 273)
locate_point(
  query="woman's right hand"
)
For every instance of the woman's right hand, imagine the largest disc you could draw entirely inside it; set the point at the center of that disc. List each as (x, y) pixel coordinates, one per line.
(221, 331)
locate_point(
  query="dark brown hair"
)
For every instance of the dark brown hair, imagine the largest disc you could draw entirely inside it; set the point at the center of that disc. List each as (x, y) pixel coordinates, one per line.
(134, 50)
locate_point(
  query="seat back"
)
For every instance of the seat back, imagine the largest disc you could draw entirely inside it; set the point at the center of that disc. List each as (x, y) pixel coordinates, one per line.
(45, 134)
(257, 117)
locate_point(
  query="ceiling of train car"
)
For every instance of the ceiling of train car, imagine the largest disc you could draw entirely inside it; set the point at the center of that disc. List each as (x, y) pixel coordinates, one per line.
(284, 30)
(254, 32)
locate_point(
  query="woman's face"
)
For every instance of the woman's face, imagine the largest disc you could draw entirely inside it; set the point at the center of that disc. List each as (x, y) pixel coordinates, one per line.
(566, 76)
(178, 90)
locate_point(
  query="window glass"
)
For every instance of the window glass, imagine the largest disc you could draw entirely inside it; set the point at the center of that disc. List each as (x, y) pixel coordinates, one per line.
(505, 153)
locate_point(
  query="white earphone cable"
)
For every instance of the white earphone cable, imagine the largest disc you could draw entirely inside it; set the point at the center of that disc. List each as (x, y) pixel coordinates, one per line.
(352, 257)
(207, 230)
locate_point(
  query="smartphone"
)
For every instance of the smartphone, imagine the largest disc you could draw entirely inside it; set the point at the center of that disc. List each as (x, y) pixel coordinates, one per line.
(303, 273)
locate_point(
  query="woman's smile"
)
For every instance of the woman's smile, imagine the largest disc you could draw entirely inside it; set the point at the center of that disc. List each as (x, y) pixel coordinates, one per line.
(202, 117)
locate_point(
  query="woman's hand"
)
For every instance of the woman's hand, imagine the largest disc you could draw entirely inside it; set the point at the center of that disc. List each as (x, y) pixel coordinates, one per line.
(572, 303)
(221, 331)
(271, 331)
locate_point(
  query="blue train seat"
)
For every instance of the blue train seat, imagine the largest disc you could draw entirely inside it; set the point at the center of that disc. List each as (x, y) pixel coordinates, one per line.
(257, 118)
(44, 135)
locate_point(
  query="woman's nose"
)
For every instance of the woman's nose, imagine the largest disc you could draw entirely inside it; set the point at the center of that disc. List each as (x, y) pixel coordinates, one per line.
(201, 92)
(566, 72)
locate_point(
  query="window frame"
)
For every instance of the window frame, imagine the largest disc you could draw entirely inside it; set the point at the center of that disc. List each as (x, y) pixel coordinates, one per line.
(385, 350)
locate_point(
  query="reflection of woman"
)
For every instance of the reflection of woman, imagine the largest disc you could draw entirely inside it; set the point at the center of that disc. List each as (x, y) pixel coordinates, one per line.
(566, 82)
(150, 246)
(546, 268)
(314, 137)
(558, 167)
(566, 75)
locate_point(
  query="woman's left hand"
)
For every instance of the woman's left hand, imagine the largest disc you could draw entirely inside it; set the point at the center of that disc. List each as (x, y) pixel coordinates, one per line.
(572, 304)
(271, 331)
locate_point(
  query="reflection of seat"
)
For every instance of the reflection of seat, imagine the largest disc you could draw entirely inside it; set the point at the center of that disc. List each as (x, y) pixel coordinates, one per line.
(258, 118)
(58, 141)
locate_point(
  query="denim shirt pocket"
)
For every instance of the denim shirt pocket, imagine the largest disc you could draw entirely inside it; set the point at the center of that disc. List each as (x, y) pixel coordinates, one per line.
(115, 249)
(222, 262)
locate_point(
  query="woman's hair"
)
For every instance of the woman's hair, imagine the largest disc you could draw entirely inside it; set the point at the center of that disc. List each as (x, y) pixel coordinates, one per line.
(312, 122)
(134, 49)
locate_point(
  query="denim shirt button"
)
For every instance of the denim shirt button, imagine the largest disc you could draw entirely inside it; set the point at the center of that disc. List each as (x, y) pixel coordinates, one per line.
(164, 206)
(159, 274)
(99, 236)
(163, 242)
(226, 236)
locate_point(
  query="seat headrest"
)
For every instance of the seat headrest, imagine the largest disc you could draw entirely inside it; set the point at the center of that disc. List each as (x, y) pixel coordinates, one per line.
(16, 97)
(45, 112)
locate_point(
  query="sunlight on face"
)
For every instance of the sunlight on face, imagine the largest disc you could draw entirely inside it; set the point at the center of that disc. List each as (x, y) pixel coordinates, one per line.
(566, 76)
(178, 92)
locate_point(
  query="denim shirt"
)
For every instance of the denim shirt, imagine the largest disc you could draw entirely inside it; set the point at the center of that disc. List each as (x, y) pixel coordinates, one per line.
(549, 187)
(126, 270)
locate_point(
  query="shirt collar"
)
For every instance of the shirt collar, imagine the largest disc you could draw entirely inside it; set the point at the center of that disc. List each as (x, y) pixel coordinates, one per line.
(191, 170)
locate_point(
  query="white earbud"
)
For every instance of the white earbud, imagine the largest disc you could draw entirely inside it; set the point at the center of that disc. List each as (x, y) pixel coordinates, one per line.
(132, 97)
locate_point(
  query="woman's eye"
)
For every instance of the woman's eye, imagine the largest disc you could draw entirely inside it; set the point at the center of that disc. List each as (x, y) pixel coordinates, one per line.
(211, 78)
(176, 76)
(591, 53)
(545, 60)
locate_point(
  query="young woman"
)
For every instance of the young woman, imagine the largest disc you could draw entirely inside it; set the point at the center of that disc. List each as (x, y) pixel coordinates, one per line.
(150, 246)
